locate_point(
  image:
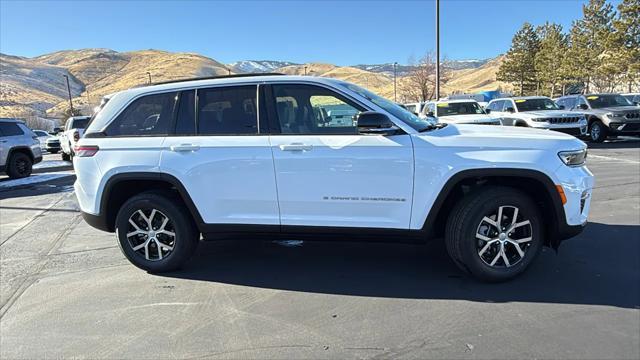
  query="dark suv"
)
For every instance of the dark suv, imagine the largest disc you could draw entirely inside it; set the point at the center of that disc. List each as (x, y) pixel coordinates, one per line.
(607, 114)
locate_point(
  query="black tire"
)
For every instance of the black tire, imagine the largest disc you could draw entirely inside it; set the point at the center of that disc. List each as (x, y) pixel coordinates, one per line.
(184, 242)
(19, 165)
(597, 131)
(466, 220)
(65, 156)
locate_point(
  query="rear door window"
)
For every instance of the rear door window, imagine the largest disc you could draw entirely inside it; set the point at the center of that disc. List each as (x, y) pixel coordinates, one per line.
(227, 111)
(149, 115)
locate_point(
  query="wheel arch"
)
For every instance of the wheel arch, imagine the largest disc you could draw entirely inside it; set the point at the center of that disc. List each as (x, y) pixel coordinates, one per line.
(121, 187)
(21, 149)
(534, 183)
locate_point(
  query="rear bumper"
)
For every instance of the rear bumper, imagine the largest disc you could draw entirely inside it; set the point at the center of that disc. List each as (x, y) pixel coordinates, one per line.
(96, 221)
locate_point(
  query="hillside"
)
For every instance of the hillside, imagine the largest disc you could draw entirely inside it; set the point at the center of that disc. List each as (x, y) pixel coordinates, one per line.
(36, 86)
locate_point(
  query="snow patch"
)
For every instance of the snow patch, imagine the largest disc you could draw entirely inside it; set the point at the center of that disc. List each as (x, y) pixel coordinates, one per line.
(50, 164)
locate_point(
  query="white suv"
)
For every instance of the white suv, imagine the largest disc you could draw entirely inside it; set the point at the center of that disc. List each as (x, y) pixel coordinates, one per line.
(462, 111)
(538, 112)
(260, 157)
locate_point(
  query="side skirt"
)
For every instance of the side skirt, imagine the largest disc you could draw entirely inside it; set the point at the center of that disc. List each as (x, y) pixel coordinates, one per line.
(309, 233)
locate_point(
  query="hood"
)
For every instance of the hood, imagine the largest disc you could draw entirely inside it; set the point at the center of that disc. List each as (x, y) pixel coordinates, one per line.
(501, 137)
(467, 119)
(548, 113)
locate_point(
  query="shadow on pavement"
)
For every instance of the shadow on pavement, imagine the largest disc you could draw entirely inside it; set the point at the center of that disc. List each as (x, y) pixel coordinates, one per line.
(599, 267)
(41, 188)
(629, 143)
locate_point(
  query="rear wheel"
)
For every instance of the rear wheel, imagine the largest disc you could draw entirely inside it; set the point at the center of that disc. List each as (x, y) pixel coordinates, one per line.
(19, 165)
(154, 233)
(494, 234)
(597, 131)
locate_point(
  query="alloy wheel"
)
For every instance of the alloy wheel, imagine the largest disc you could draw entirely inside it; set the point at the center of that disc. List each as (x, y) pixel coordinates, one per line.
(595, 132)
(151, 234)
(503, 237)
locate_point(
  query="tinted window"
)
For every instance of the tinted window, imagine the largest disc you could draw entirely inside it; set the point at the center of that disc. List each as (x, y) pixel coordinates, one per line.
(608, 100)
(148, 115)
(458, 108)
(580, 101)
(10, 129)
(536, 104)
(227, 111)
(506, 104)
(186, 120)
(306, 109)
(79, 123)
(40, 133)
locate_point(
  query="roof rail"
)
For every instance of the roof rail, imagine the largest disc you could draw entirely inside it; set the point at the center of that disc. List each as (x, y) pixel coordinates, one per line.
(215, 77)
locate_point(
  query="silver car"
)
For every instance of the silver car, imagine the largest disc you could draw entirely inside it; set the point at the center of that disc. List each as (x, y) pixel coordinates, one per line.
(19, 148)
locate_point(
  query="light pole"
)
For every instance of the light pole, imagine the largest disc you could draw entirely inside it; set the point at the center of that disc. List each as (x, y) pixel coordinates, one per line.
(148, 73)
(437, 50)
(69, 91)
(395, 76)
(305, 70)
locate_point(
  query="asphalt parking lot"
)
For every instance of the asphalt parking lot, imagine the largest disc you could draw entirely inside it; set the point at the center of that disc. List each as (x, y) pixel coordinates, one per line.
(66, 290)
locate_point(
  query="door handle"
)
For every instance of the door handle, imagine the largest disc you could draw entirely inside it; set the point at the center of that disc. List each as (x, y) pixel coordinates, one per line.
(296, 147)
(184, 147)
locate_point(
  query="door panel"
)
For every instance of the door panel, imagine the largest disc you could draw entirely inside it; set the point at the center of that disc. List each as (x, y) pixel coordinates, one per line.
(344, 180)
(229, 178)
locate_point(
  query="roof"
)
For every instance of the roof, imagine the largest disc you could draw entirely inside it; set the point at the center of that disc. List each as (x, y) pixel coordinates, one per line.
(519, 98)
(454, 101)
(227, 80)
(11, 120)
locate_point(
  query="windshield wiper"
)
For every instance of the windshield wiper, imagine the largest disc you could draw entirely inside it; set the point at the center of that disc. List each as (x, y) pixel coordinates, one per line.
(433, 127)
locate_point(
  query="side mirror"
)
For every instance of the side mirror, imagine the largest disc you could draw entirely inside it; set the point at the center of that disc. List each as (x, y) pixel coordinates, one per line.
(430, 114)
(510, 110)
(583, 107)
(488, 111)
(371, 122)
(561, 107)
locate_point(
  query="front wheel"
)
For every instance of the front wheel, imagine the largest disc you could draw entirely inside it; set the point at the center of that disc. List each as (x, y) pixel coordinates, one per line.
(597, 132)
(155, 233)
(494, 234)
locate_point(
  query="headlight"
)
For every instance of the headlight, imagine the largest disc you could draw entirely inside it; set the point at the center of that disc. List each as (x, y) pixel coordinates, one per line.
(612, 115)
(574, 157)
(539, 120)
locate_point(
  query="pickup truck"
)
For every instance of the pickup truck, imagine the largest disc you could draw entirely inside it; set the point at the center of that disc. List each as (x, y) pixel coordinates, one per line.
(73, 131)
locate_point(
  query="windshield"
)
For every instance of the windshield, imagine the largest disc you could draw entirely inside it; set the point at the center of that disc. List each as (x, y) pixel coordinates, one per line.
(389, 106)
(458, 108)
(609, 100)
(535, 104)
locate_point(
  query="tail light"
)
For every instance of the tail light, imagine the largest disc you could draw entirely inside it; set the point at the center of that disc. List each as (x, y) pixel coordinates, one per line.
(76, 136)
(86, 150)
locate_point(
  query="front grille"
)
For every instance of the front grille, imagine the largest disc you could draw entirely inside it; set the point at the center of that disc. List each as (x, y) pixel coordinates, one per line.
(631, 127)
(562, 120)
(633, 115)
(570, 131)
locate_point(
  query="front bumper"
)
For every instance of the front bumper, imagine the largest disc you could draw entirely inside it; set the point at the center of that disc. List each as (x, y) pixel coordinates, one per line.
(575, 131)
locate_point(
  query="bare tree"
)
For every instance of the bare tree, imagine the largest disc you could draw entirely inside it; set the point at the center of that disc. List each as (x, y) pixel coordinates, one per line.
(420, 83)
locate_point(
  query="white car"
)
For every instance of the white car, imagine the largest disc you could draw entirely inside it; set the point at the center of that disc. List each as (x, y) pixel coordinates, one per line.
(415, 108)
(73, 131)
(463, 111)
(538, 112)
(250, 156)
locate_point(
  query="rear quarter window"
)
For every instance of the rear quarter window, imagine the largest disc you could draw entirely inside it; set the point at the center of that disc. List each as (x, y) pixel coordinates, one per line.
(10, 129)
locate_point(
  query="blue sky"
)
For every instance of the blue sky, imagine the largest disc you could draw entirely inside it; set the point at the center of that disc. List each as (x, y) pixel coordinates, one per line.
(339, 32)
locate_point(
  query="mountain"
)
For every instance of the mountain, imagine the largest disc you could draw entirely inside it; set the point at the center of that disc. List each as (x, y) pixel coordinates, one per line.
(477, 79)
(257, 66)
(37, 86)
